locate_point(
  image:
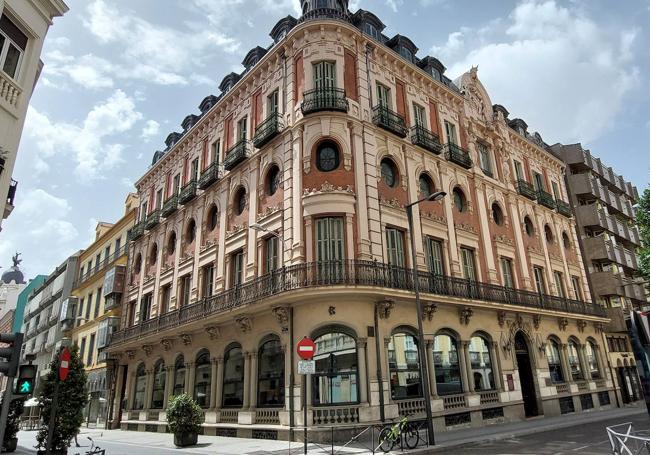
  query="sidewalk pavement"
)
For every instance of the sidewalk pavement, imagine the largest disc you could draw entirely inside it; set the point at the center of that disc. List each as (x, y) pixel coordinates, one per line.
(132, 442)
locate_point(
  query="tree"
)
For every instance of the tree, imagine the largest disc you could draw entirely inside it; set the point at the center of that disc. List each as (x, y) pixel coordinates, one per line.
(643, 220)
(72, 399)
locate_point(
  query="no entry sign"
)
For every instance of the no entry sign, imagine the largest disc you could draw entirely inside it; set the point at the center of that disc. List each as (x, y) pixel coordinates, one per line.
(306, 348)
(64, 364)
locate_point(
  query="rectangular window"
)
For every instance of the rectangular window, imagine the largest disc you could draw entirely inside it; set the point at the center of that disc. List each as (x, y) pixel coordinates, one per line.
(118, 245)
(434, 250)
(484, 158)
(273, 102)
(372, 31)
(13, 43)
(237, 269)
(556, 190)
(143, 211)
(506, 272)
(159, 199)
(90, 303)
(82, 349)
(324, 75)
(519, 172)
(469, 267)
(145, 307)
(98, 260)
(559, 284)
(208, 281)
(538, 181)
(575, 281)
(540, 285)
(395, 247)
(80, 312)
(186, 287)
(271, 252)
(194, 169)
(329, 239)
(242, 131)
(131, 315)
(419, 114)
(98, 297)
(383, 96)
(91, 349)
(177, 184)
(165, 299)
(107, 253)
(216, 150)
(450, 130)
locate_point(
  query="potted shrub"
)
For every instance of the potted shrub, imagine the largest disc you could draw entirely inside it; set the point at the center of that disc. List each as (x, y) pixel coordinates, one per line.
(184, 418)
(13, 421)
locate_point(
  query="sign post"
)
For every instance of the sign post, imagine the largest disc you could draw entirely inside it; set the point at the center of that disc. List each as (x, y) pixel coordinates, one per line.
(306, 350)
(64, 368)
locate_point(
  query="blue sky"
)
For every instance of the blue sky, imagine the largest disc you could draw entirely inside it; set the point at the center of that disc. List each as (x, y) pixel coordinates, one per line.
(121, 74)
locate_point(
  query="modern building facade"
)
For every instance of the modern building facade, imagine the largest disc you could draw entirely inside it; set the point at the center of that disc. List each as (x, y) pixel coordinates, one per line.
(93, 312)
(603, 203)
(41, 322)
(23, 26)
(279, 212)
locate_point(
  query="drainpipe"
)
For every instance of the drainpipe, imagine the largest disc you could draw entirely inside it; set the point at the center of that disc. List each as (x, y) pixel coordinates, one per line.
(380, 379)
(291, 378)
(369, 48)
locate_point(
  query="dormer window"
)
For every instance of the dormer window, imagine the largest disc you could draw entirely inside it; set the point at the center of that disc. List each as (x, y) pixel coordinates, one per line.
(406, 53)
(12, 46)
(435, 73)
(521, 130)
(227, 87)
(371, 31)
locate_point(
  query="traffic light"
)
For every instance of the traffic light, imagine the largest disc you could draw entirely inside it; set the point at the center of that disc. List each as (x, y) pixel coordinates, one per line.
(26, 380)
(11, 354)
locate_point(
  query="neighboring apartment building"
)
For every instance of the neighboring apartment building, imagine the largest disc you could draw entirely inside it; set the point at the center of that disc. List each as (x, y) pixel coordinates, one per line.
(23, 26)
(94, 313)
(41, 323)
(279, 212)
(603, 203)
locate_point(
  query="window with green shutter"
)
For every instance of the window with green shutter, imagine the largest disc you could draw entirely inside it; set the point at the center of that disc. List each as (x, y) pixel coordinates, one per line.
(469, 268)
(383, 96)
(434, 251)
(325, 75)
(506, 272)
(329, 239)
(395, 247)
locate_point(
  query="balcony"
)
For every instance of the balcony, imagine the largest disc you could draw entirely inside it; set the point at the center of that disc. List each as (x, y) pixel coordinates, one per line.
(526, 189)
(389, 120)
(325, 13)
(352, 274)
(188, 192)
(546, 199)
(267, 130)
(633, 291)
(458, 155)
(237, 154)
(209, 175)
(136, 231)
(9, 90)
(169, 206)
(11, 194)
(324, 99)
(424, 138)
(563, 208)
(152, 220)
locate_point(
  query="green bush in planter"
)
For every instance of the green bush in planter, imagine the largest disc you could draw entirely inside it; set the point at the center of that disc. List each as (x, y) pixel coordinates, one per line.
(184, 416)
(16, 408)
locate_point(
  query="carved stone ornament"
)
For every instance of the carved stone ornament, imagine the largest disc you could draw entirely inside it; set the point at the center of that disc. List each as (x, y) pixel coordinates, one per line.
(466, 227)
(393, 203)
(501, 318)
(167, 344)
(282, 316)
(186, 338)
(537, 319)
(213, 332)
(245, 323)
(148, 349)
(327, 187)
(599, 327)
(428, 310)
(581, 325)
(384, 308)
(503, 239)
(465, 315)
(130, 353)
(562, 323)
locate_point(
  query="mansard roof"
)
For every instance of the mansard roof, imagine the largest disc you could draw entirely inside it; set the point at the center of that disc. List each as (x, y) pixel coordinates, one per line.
(229, 81)
(189, 121)
(432, 62)
(254, 56)
(172, 139)
(503, 110)
(156, 156)
(282, 27)
(207, 103)
(398, 40)
(362, 16)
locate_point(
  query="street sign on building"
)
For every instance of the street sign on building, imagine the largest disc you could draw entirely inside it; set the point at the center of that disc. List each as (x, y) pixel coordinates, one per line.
(306, 367)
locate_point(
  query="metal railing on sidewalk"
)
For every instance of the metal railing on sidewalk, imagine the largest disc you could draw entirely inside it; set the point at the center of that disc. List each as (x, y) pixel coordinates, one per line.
(625, 440)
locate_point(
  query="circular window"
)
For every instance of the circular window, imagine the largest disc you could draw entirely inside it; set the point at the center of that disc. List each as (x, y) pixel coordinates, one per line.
(528, 225)
(273, 180)
(460, 202)
(426, 186)
(566, 241)
(388, 173)
(138, 263)
(153, 254)
(497, 214)
(190, 233)
(171, 243)
(213, 218)
(548, 233)
(327, 157)
(240, 201)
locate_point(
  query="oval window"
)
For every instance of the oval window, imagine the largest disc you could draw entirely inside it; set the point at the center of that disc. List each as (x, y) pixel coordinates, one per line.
(273, 180)
(426, 186)
(460, 202)
(240, 201)
(497, 214)
(528, 225)
(388, 173)
(327, 157)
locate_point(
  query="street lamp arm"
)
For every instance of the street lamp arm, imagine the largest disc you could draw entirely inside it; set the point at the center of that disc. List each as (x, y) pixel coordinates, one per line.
(432, 197)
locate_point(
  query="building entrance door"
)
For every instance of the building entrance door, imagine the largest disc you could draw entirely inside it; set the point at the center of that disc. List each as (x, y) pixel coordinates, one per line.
(526, 376)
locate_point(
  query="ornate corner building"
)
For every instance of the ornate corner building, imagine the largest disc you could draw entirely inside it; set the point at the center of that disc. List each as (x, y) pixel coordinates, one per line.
(279, 212)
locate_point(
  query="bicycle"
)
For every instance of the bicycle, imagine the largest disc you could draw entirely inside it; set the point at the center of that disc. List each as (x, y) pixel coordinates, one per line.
(95, 450)
(401, 431)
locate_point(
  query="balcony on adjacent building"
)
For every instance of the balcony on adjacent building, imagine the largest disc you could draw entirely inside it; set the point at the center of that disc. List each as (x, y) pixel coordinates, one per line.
(68, 312)
(136, 231)
(11, 194)
(152, 220)
(169, 206)
(546, 199)
(389, 120)
(237, 154)
(563, 208)
(617, 319)
(599, 249)
(268, 129)
(526, 189)
(209, 175)
(424, 138)
(324, 99)
(633, 291)
(188, 192)
(113, 287)
(458, 155)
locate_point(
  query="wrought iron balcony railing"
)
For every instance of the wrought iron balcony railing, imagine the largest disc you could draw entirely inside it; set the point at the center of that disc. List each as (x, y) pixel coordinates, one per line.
(546, 199)
(237, 154)
(354, 274)
(324, 99)
(424, 138)
(152, 220)
(209, 175)
(136, 231)
(188, 192)
(268, 129)
(325, 13)
(458, 155)
(563, 208)
(90, 272)
(389, 120)
(526, 189)
(169, 206)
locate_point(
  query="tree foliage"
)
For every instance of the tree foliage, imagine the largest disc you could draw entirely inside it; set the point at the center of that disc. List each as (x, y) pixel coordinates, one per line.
(72, 398)
(184, 415)
(643, 221)
(16, 408)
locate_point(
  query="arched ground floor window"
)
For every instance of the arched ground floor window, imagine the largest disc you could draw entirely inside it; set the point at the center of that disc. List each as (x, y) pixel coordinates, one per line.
(336, 380)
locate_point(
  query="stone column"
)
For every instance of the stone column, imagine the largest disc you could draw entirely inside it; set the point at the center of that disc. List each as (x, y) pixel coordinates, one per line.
(117, 404)
(568, 377)
(462, 362)
(495, 361)
(169, 384)
(586, 373)
(148, 390)
(602, 362)
(363, 378)
(213, 380)
(433, 387)
(190, 373)
(253, 380)
(247, 380)
(218, 396)
(468, 364)
(130, 392)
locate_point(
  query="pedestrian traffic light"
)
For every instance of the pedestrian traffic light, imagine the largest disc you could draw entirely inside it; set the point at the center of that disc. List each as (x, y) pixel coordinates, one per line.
(10, 356)
(26, 380)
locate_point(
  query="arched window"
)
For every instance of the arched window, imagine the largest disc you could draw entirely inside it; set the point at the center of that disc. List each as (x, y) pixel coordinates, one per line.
(447, 368)
(171, 244)
(404, 366)
(190, 232)
(213, 218)
(565, 240)
(273, 179)
(426, 186)
(554, 361)
(389, 173)
(140, 387)
(336, 379)
(203, 381)
(239, 204)
(528, 225)
(158, 390)
(327, 156)
(574, 361)
(548, 232)
(233, 377)
(137, 266)
(460, 202)
(270, 385)
(481, 363)
(497, 214)
(592, 360)
(179, 376)
(153, 254)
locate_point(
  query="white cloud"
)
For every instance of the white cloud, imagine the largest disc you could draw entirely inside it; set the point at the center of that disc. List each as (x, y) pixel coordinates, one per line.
(151, 128)
(549, 65)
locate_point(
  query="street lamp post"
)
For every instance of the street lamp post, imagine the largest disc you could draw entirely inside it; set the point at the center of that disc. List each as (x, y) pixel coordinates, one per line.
(424, 367)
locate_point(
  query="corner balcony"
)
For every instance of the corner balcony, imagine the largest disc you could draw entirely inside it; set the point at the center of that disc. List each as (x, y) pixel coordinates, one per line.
(389, 120)
(324, 13)
(526, 189)
(324, 99)
(188, 192)
(424, 138)
(209, 175)
(267, 130)
(546, 199)
(237, 154)
(136, 231)
(563, 208)
(169, 206)
(152, 220)
(457, 155)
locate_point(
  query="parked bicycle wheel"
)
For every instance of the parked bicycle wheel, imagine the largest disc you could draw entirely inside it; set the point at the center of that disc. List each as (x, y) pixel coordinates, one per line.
(386, 441)
(411, 436)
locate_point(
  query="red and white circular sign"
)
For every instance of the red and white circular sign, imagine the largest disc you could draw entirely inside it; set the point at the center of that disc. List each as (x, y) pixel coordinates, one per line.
(64, 364)
(306, 348)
